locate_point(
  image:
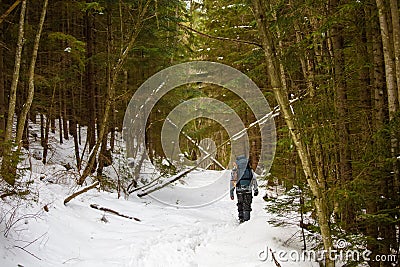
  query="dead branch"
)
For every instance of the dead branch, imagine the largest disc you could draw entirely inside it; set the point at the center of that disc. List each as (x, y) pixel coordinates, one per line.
(275, 260)
(9, 10)
(7, 194)
(219, 38)
(97, 207)
(83, 190)
(30, 253)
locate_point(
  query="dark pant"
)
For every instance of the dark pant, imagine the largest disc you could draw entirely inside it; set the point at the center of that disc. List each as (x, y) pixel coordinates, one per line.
(244, 204)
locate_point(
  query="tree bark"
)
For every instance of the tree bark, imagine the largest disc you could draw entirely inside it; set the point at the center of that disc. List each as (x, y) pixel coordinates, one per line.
(392, 184)
(60, 124)
(49, 115)
(396, 41)
(73, 128)
(391, 89)
(103, 148)
(6, 166)
(396, 47)
(281, 96)
(388, 59)
(378, 82)
(89, 79)
(65, 114)
(31, 78)
(2, 98)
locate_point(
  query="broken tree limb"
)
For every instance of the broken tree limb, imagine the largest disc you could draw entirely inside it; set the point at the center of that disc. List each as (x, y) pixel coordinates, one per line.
(145, 193)
(197, 145)
(146, 186)
(97, 207)
(83, 190)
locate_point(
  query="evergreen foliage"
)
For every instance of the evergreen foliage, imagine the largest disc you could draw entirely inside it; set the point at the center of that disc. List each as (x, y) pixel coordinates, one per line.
(331, 54)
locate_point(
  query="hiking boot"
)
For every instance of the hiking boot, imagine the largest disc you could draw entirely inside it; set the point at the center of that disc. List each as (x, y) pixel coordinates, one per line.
(246, 215)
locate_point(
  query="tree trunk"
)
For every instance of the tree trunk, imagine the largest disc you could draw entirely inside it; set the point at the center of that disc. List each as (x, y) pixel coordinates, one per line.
(282, 98)
(378, 81)
(376, 119)
(49, 119)
(65, 113)
(112, 128)
(396, 46)
(388, 59)
(102, 156)
(53, 123)
(388, 231)
(60, 124)
(42, 130)
(89, 79)
(345, 168)
(6, 166)
(45, 142)
(396, 41)
(73, 128)
(2, 98)
(390, 87)
(31, 78)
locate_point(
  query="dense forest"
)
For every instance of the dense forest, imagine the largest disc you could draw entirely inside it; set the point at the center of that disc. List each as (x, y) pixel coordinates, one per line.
(76, 64)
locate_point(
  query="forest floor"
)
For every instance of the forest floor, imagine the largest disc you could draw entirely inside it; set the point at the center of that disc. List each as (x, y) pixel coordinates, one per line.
(78, 235)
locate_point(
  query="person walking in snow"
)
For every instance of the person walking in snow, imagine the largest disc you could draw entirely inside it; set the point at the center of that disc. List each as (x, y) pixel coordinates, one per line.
(244, 181)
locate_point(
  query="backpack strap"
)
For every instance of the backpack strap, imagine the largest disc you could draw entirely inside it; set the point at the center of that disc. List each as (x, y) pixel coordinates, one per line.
(234, 174)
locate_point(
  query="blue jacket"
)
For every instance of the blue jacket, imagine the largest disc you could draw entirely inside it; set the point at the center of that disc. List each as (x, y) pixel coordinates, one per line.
(234, 180)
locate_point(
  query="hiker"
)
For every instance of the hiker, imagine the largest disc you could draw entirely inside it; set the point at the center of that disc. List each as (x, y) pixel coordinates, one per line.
(244, 180)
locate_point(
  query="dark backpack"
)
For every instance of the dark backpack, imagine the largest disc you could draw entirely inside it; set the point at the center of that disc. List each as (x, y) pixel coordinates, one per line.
(244, 171)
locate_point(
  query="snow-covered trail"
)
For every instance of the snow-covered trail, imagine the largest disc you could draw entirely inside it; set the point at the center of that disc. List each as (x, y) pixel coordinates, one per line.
(74, 235)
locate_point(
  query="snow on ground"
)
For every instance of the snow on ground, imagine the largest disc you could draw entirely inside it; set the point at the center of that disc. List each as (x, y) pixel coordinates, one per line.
(77, 235)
